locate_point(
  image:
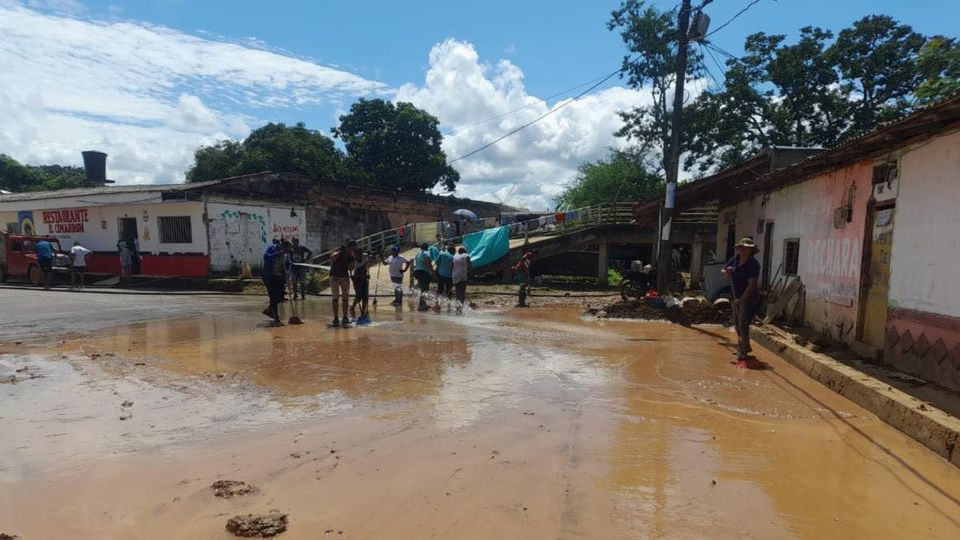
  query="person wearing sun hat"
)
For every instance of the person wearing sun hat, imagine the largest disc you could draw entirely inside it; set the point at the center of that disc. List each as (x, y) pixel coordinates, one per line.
(744, 271)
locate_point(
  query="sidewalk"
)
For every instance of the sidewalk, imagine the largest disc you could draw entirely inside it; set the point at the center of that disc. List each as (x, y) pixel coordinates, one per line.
(928, 414)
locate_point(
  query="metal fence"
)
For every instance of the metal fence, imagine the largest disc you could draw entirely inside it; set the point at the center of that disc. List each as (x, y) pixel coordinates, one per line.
(415, 234)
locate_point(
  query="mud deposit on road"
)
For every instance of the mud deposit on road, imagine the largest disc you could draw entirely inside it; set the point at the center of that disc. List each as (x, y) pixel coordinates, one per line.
(692, 311)
(500, 424)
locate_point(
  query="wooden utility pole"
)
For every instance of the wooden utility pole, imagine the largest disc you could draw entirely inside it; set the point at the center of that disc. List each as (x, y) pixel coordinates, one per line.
(665, 252)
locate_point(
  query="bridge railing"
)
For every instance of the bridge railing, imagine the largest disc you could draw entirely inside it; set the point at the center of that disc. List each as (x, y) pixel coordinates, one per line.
(549, 225)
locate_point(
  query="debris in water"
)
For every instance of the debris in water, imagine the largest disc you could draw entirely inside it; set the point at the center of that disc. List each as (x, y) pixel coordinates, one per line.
(262, 525)
(231, 488)
(693, 311)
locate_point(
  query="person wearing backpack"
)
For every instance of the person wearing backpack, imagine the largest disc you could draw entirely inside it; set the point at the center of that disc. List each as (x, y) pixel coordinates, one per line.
(275, 277)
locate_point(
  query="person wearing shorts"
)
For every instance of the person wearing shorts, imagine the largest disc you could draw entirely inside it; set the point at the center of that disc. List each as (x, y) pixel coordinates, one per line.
(341, 263)
(422, 272)
(298, 274)
(78, 264)
(398, 267)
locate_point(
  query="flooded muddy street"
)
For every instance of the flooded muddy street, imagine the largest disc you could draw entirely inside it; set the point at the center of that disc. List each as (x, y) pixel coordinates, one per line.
(498, 424)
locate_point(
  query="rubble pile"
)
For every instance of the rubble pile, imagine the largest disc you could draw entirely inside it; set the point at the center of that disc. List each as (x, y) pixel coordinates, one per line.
(687, 311)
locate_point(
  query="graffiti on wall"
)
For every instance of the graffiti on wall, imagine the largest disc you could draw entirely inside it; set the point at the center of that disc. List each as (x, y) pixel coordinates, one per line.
(286, 230)
(833, 268)
(250, 217)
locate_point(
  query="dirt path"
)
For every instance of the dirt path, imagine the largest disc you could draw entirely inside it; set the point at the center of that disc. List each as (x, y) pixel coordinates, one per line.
(500, 424)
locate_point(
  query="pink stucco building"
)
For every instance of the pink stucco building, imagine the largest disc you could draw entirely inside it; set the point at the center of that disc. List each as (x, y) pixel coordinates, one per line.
(872, 230)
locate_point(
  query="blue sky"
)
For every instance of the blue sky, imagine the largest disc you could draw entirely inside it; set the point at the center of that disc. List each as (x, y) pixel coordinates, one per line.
(148, 81)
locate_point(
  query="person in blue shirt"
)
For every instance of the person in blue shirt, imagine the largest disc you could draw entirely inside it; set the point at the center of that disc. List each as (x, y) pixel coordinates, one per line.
(274, 278)
(445, 274)
(744, 271)
(44, 251)
(422, 272)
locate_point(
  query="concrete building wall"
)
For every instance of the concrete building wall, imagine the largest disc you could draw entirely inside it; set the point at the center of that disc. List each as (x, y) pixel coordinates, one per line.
(923, 324)
(239, 233)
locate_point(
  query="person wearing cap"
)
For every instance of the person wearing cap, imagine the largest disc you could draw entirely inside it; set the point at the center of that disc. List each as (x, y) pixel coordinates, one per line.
(398, 267)
(522, 272)
(744, 271)
(342, 262)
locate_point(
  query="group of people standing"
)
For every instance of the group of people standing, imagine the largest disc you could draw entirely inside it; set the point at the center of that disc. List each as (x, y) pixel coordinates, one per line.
(451, 267)
(285, 265)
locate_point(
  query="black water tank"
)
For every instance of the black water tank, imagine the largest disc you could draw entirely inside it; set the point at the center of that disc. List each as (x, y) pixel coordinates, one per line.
(95, 165)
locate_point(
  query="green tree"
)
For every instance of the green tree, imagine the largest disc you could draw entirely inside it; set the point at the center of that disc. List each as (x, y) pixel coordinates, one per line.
(274, 147)
(621, 176)
(877, 59)
(650, 36)
(397, 146)
(814, 92)
(939, 65)
(17, 177)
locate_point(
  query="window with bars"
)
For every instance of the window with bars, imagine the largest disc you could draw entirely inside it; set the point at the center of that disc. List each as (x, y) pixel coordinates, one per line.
(791, 256)
(175, 230)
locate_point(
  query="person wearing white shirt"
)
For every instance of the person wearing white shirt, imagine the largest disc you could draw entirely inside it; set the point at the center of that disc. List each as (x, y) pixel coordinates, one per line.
(78, 264)
(398, 267)
(461, 270)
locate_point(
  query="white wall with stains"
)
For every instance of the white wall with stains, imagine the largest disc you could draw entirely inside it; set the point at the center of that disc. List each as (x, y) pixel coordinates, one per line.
(239, 233)
(926, 235)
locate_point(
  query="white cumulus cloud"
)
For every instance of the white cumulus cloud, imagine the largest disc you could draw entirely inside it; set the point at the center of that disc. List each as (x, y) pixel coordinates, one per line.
(148, 95)
(531, 167)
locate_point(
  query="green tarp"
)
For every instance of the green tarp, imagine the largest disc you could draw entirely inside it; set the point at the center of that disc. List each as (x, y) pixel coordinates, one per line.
(487, 246)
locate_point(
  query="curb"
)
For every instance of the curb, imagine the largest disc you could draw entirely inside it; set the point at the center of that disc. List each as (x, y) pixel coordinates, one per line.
(926, 424)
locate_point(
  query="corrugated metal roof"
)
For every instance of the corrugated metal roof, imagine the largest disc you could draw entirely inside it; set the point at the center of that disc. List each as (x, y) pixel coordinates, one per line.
(113, 190)
(920, 125)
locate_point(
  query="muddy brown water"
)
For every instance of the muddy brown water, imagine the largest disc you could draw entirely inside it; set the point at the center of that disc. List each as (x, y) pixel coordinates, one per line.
(499, 424)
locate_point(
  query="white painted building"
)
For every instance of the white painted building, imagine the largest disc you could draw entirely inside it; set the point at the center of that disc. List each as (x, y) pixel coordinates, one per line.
(183, 229)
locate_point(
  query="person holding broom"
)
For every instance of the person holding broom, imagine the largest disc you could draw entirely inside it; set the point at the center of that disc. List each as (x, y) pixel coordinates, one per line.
(522, 273)
(744, 271)
(274, 277)
(361, 289)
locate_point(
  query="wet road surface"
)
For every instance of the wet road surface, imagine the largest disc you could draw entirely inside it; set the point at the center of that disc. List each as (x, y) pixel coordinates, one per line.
(499, 424)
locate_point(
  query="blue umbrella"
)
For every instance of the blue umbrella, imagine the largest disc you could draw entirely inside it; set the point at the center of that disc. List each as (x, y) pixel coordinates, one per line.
(464, 213)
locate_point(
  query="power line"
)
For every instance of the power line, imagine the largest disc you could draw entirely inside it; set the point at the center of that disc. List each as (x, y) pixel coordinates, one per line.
(711, 45)
(715, 61)
(535, 120)
(739, 13)
(537, 102)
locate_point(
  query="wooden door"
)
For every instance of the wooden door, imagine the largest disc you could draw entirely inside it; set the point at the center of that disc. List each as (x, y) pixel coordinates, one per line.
(878, 277)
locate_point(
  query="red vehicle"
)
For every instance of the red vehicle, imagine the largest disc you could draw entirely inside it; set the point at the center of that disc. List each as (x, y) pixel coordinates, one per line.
(18, 257)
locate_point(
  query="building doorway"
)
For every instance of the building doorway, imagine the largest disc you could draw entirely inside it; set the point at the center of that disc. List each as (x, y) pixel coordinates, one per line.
(127, 228)
(877, 276)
